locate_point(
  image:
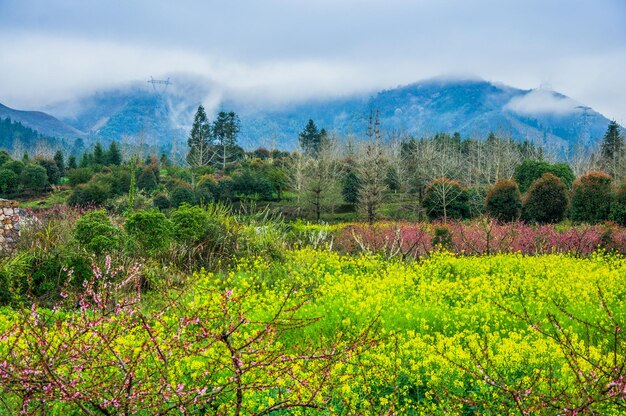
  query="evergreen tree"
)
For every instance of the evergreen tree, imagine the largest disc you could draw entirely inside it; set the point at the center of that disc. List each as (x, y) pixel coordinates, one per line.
(71, 162)
(114, 155)
(59, 159)
(612, 149)
(99, 157)
(225, 130)
(199, 140)
(311, 138)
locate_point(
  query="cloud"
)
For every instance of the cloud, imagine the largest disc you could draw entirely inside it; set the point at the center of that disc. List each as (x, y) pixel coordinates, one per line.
(541, 101)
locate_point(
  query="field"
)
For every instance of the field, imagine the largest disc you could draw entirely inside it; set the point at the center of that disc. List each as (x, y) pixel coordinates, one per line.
(323, 333)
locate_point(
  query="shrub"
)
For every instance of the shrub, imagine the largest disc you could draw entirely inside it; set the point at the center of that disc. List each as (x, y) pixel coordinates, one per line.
(96, 233)
(80, 175)
(8, 181)
(162, 202)
(91, 194)
(445, 198)
(248, 184)
(546, 200)
(190, 223)
(530, 170)
(150, 229)
(591, 197)
(206, 190)
(147, 180)
(34, 178)
(618, 207)
(15, 165)
(181, 195)
(504, 200)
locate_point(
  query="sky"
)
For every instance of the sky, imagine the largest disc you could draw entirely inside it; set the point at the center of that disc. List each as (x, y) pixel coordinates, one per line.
(282, 51)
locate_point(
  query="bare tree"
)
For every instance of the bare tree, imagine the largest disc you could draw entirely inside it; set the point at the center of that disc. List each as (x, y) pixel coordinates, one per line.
(321, 181)
(372, 169)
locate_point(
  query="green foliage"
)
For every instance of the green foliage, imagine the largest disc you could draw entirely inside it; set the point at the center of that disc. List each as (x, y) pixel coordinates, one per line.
(199, 140)
(350, 186)
(530, 170)
(90, 194)
(147, 180)
(250, 185)
(206, 190)
(442, 237)
(34, 178)
(79, 175)
(612, 146)
(546, 200)
(8, 181)
(190, 224)
(182, 195)
(114, 155)
(311, 138)
(162, 202)
(150, 229)
(52, 170)
(618, 207)
(59, 159)
(16, 166)
(99, 156)
(445, 198)
(591, 197)
(504, 200)
(96, 233)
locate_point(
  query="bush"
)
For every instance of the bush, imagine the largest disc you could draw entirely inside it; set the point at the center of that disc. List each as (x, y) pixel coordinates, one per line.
(34, 178)
(182, 195)
(80, 175)
(618, 207)
(504, 201)
(531, 170)
(8, 181)
(206, 190)
(162, 202)
(96, 233)
(445, 198)
(150, 229)
(15, 165)
(91, 194)
(546, 200)
(591, 197)
(249, 185)
(190, 223)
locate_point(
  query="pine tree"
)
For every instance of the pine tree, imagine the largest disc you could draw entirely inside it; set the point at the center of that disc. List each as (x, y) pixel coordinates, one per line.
(199, 140)
(612, 150)
(114, 155)
(60, 161)
(311, 138)
(71, 162)
(99, 157)
(225, 130)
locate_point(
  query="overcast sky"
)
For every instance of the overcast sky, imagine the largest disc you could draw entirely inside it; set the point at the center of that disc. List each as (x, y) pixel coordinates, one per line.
(287, 50)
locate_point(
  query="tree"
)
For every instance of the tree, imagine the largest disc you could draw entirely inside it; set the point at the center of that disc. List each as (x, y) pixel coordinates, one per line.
(350, 183)
(225, 130)
(59, 159)
(311, 138)
(8, 181)
(592, 195)
(320, 180)
(504, 200)
(445, 198)
(612, 149)
(34, 178)
(52, 171)
(372, 171)
(546, 200)
(199, 140)
(150, 229)
(530, 170)
(99, 157)
(114, 155)
(71, 162)
(96, 233)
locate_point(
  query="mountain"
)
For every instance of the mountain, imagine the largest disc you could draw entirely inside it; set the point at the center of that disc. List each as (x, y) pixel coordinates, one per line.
(43, 123)
(161, 118)
(474, 108)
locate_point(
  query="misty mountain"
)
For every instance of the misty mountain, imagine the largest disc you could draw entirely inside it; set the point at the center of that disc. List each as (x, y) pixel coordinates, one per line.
(44, 124)
(139, 113)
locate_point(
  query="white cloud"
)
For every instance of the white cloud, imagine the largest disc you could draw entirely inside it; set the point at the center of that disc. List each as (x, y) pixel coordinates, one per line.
(541, 101)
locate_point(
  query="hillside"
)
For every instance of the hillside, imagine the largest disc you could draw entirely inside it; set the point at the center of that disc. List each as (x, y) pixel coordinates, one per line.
(474, 108)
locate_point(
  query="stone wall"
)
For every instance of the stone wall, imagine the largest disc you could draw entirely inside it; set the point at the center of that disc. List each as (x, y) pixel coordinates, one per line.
(9, 223)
